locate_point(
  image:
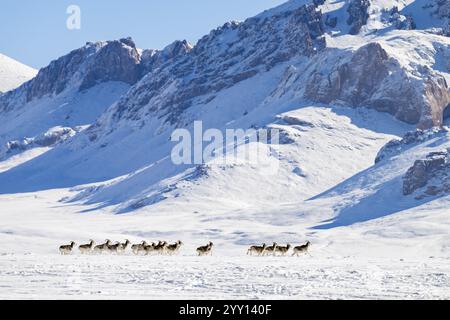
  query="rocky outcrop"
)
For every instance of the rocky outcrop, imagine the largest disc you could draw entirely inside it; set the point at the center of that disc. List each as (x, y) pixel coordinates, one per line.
(48, 139)
(442, 8)
(401, 22)
(436, 98)
(389, 88)
(358, 11)
(410, 139)
(152, 59)
(116, 61)
(228, 55)
(81, 69)
(447, 113)
(430, 175)
(54, 78)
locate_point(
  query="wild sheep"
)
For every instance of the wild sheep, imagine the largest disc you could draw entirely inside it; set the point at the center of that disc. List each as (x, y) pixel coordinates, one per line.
(174, 248)
(137, 248)
(205, 250)
(87, 248)
(301, 249)
(271, 249)
(259, 250)
(123, 246)
(66, 249)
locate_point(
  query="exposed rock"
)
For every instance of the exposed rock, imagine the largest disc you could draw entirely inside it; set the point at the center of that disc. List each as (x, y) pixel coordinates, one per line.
(447, 113)
(331, 21)
(446, 28)
(389, 88)
(441, 10)
(433, 172)
(152, 59)
(117, 61)
(401, 22)
(299, 171)
(358, 11)
(318, 2)
(80, 69)
(349, 81)
(294, 121)
(54, 78)
(228, 55)
(286, 135)
(50, 138)
(412, 138)
(436, 99)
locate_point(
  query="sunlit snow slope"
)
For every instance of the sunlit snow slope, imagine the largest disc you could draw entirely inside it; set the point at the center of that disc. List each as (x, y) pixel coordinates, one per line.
(13, 73)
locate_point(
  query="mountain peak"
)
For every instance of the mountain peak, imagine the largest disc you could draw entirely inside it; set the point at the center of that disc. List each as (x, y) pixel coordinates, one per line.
(81, 69)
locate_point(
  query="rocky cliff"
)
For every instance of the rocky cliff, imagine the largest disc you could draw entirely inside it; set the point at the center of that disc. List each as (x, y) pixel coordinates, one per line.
(371, 78)
(227, 56)
(82, 68)
(429, 176)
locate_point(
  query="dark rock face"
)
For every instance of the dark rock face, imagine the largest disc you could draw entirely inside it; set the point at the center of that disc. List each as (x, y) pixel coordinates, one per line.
(349, 81)
(318, 2)
(441, 10)
(447, 112)
(228, 55)
(117, 61)
(94, 63)
(54, 78)
(433, 172)
(358, 11)
(407, 99)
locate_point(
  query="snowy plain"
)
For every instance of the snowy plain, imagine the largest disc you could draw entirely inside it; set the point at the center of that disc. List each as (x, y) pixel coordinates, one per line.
(374, 260)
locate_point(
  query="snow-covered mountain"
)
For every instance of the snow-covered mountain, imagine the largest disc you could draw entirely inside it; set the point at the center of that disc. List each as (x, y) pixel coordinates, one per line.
(13, 73)
(358, 90)
(339, 79)
(68, 95)
(243, 74)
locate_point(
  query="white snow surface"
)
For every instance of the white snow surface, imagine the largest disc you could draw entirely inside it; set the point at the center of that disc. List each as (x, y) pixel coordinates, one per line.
(13, 73)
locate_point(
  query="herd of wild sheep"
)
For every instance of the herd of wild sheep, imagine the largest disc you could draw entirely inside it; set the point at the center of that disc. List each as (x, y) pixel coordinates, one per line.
(275, 249)
(165, 248)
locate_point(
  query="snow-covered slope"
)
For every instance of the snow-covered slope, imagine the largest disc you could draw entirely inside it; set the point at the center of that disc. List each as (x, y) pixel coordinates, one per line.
(69, 93)
(339, 79)
(248, 74)
(13, 73)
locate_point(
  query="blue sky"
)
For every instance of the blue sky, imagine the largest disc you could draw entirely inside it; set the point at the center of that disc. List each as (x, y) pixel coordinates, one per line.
(34, 32)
